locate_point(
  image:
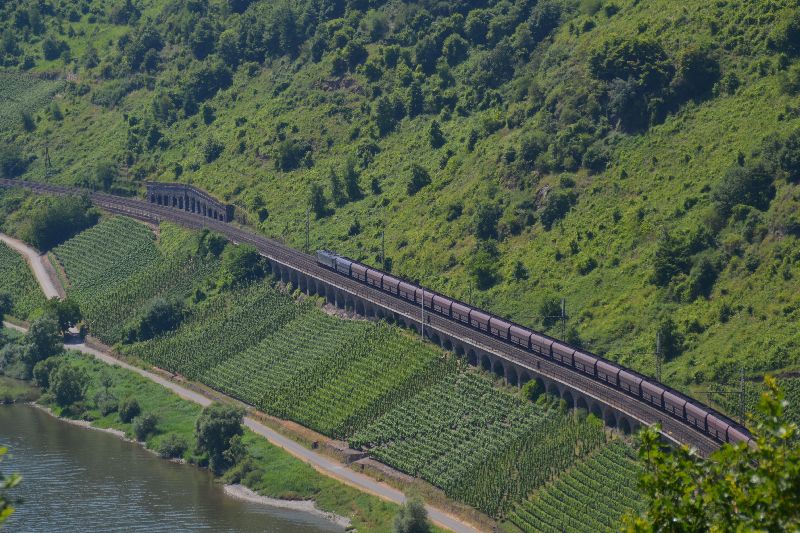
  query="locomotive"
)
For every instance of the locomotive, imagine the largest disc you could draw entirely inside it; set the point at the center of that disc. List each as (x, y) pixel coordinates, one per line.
(630, 382)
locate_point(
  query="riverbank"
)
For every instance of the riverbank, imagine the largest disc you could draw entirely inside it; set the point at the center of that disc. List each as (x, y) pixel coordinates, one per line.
(243, 493)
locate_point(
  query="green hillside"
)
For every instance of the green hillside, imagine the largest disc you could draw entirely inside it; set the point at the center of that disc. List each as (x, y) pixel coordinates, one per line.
(638, 159)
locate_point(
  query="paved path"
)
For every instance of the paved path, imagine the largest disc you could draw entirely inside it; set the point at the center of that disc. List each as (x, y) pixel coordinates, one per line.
(319, 462)
(36, 261)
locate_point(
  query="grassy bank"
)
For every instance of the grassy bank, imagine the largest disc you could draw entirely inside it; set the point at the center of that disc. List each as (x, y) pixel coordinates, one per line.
(272, 472)
(14, 390)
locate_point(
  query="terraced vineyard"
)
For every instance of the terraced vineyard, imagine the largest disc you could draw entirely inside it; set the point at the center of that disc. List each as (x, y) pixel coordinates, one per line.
(17, 280)
(481, 445)
(106, 255)
(407, 403)
(22, 93)
(590, 497)
(222, 326)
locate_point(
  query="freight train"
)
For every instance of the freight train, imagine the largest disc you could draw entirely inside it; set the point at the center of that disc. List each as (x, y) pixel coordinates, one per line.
(632, 383)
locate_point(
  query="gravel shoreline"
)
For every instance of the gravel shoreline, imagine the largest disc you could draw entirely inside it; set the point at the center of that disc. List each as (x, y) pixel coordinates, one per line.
(243, 493)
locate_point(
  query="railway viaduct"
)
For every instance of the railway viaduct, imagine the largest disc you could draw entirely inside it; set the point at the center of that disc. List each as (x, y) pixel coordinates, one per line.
(513, 364)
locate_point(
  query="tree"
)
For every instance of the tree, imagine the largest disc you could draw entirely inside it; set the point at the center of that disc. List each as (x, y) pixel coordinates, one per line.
(558, 205)
(455, 49)
(317, 200)
(435, 135)
(228, 47)
(239, 6)
(105, 173)
(419, 179)
(160, 316)
(412, 517)
(744, 185)
(68, 384)
(214, 429)
(696, 72)
(42, 340)
(144, 425)
(738, 488)
(384, 115)
(351, 176)
(65, 312)
(6, 482)
(337, 193)
(6, 303)
(426, 53)
(44, 369)
(486, 217)
(12, 164)
(129, 410)
(57, 220)
(671, 340)
(416, 100)
(482, 265)
(240, 264)
(786, 34)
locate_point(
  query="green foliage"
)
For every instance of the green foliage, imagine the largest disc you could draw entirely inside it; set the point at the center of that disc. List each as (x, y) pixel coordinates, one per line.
(670, 338)
(605, 482)
(17, 285)
(68, 384)
(412, 517)
(216, 426)
(129, 409)
(240, 265)
(483, 265)
(159, 317)
(43, 370)
(172, 446)
(558, 204)
(61, 218)
(43, 340)
(65, 312)
(741, 487)
(746, 186)
(419, 179)
(7, 481)
(144, 425)
(317, 200)
(12, 162)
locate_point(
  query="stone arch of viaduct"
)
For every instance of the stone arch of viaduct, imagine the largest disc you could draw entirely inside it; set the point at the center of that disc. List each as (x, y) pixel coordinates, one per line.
(511, 372)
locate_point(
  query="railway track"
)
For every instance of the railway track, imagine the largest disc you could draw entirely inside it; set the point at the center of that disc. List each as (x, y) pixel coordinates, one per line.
(673, 428)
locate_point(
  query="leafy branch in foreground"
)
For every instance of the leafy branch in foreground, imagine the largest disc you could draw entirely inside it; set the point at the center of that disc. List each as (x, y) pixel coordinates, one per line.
(6, 482)
(738, 488)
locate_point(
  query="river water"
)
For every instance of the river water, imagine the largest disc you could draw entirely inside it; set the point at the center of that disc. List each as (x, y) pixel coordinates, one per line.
(75, 479)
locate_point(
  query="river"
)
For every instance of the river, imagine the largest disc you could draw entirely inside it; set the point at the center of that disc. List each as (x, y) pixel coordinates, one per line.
(75, 479)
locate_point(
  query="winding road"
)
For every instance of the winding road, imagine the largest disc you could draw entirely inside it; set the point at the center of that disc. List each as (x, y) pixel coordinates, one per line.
(319, 462)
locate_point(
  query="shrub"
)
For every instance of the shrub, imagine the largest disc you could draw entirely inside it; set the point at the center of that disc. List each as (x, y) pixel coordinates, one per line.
(106, 402)
(455, 49)
(212, 149)
(68, 384)
(144, 425)
(411, 518)
(532, 390)
(671, 341)
(57, 220)
(485, 221)
(44, 369)
(696, 72)
(746, 186)
(240, 264)
(786, 34)
(435, 135)
(173, 446)
(160, 316)
(129, 409)
(12, 164)
(214, 429)
(558, 205)
(419, 179)
(482, 265)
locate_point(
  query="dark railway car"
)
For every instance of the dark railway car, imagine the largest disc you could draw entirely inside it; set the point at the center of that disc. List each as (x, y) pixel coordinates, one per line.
(442, 305)
(630, 382)
(375, 278)
(499, 328)
(427, 297)
(674, 404)
(326, 258)
(390, 284)
(696, 415)
(563, 353)
(358, 271)
(407, 291)
(343, 265)
(585, 363)
(479, 319)
(608, 372)
(520, 336)
(460, 312)
(652, 393)
(717, 428)
(735, 436)
(541, 345)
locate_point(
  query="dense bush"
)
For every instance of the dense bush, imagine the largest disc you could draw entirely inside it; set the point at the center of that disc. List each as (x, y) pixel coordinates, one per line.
(144, 425)
(216, 426)
(129, 409)
(58, 220)
(173, 446)
(558, 205)
(240, 264)
(160, 316)
(419, 179)
(746, 186)
(68, 384)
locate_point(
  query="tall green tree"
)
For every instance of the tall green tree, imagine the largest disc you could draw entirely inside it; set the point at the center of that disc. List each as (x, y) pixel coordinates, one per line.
(412, 518)
(214, 429)
(738, 488)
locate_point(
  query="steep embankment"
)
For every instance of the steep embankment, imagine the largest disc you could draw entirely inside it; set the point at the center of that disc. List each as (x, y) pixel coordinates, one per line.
(514, 153)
